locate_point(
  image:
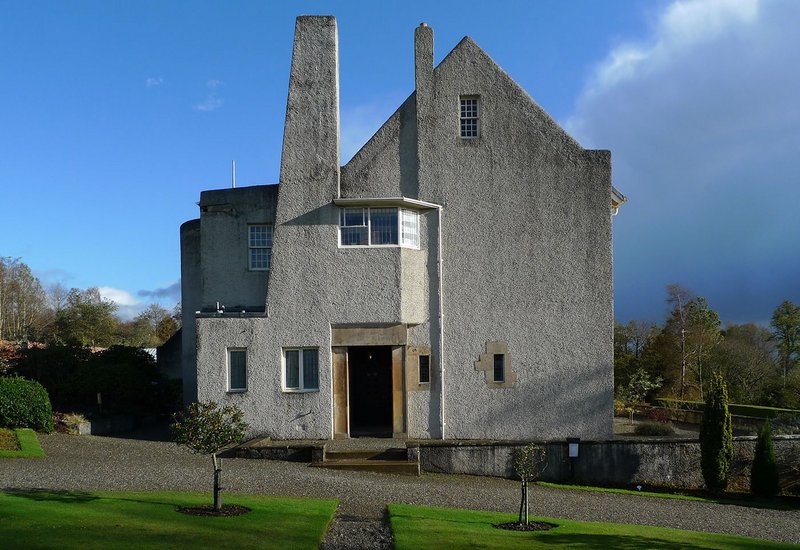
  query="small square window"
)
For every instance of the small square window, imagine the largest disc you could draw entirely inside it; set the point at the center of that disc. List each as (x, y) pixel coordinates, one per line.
(237, 370)
(469, 116)
(499, 367)
(301, 369)
(259, 247)
(424, 369)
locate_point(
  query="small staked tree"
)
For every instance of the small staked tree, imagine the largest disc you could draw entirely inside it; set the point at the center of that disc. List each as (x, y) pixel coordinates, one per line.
(207, 429)
(764, 475)
(529, 463)
(716, 436)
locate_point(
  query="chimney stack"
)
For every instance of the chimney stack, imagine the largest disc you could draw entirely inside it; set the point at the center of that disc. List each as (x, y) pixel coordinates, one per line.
(310, 158)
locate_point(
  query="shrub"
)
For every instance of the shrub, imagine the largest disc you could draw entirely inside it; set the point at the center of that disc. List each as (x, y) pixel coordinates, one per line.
(716, 436)
(764, 475)
(654, 428)
(24, 404)
(658, 415)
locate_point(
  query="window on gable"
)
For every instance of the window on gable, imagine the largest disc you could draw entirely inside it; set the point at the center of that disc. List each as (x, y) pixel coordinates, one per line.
(424, 369)
(379, 227)
(237, 369)
(301, 369)
(260, 247)
(499, 367)
(468, 117)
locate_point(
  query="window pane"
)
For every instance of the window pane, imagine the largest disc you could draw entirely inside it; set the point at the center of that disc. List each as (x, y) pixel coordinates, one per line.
(424, 369)
(354, 236)
(383, 225)
(293, 369)
(260, 235)
(352, 217)
(260, 258)
(499, 367)
(410, 227)
(310, 369)
(238, 370)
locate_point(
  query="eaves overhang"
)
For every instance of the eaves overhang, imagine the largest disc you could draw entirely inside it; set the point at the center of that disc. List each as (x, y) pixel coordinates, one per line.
(617, 200)
(401, 202)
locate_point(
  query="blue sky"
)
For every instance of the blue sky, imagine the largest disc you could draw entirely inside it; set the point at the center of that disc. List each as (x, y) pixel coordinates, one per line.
(115, 115)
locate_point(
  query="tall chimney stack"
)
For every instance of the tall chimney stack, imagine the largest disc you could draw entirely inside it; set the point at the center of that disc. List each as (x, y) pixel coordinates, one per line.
(310, 158)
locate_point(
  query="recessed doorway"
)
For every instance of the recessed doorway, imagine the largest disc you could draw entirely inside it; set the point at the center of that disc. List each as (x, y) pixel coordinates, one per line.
(370, 390)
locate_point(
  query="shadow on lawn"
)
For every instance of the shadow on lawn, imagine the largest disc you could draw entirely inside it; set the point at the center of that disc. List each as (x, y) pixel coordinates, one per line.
(618, 542)
(41, 495)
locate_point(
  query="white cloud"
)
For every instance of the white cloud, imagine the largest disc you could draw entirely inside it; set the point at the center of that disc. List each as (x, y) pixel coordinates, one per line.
(128, 306)
(212, 102)
(703, 125)
(154, 81)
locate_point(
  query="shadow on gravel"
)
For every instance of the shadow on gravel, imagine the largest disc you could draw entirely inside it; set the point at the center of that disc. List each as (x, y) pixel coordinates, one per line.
(155, 431)
(41, 495)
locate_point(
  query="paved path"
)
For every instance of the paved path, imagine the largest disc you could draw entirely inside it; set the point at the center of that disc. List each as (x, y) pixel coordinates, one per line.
(92, 463)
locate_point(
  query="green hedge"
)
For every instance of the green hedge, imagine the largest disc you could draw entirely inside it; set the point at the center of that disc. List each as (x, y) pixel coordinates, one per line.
(735, 409)
(24, 404)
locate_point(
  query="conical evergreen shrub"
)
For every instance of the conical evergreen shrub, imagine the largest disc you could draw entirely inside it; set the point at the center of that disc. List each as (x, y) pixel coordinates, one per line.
(764, 475)
(716, 436)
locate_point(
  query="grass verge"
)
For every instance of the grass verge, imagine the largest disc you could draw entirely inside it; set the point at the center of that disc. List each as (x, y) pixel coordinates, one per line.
(420, 528)
(739, 499)
(28, 445)
(80, 520)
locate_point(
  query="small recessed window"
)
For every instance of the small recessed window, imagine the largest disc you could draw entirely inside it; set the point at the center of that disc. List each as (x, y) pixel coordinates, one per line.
(499, 367)
(259, 247)
(424, 369)
(469, 117)
(301, 369)
(237, 370)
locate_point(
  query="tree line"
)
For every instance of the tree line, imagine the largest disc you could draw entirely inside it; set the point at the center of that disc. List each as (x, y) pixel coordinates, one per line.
(29, 312)
(677, 359)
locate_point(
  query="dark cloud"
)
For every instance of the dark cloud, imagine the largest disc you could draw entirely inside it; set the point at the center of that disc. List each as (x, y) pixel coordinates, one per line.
(173, 291)
(704, 127)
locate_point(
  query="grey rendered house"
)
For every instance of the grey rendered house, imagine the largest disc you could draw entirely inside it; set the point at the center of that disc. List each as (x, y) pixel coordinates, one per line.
(453, 280)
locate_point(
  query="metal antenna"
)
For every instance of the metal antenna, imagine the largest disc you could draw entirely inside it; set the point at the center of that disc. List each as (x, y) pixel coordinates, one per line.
(233, 174)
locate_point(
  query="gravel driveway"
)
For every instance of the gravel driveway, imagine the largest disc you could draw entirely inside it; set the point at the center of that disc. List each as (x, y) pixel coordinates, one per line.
(90, 463)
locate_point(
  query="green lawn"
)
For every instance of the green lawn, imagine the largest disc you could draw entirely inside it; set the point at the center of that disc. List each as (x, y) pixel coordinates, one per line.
(70, 519)
(420, 528)
(28, 445)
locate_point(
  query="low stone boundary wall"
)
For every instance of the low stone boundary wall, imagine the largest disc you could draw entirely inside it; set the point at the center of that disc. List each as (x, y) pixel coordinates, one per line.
(646, 461)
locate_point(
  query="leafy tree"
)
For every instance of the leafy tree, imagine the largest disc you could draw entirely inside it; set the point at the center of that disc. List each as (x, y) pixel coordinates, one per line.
(764, 474)
(716, 436)
(637, 389)
(87, 319)
(746, 360)
(529, 463)
(630, 341)
(206, 429)
(704, 336)
(682, 350)
(786, 328)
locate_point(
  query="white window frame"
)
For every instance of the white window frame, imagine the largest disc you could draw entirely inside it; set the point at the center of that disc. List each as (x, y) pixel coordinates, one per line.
(300, 374)
(230, 388)
(405, 238)
(462, 117)
(251, 246)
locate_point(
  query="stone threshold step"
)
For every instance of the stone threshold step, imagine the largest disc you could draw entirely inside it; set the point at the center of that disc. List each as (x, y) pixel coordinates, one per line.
(380, 466)
(367, 454)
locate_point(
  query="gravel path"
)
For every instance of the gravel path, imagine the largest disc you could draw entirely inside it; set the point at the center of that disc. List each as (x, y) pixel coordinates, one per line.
(89, 463)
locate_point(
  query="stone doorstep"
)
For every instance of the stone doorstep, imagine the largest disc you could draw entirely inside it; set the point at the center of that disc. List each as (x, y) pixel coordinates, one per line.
(364, 455)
